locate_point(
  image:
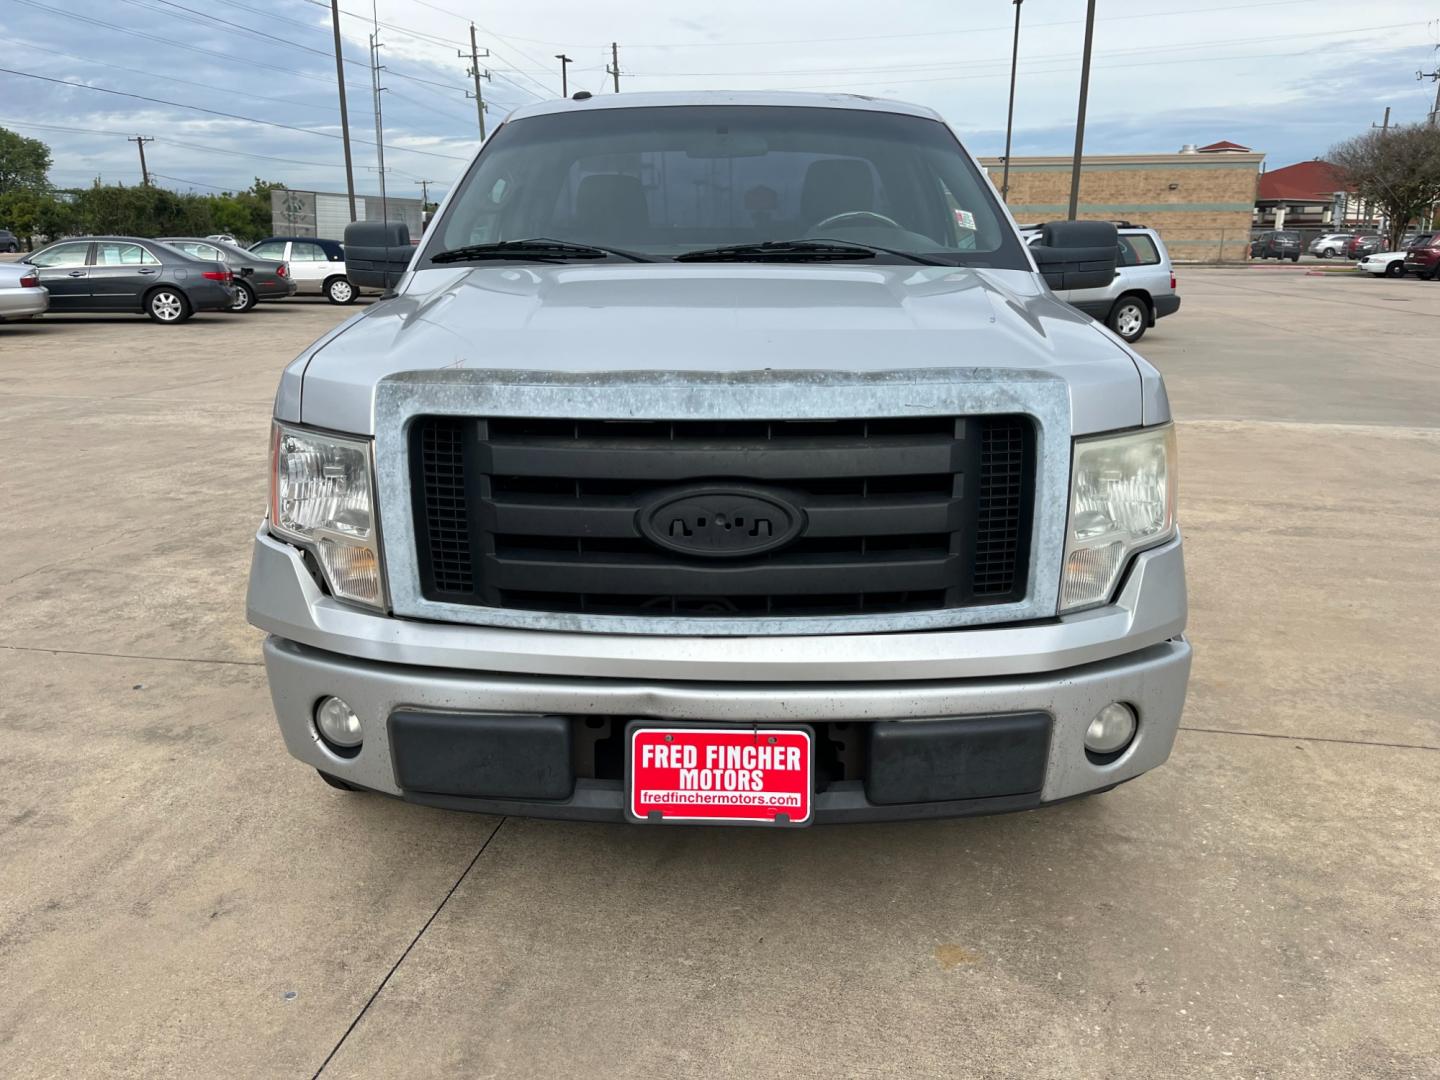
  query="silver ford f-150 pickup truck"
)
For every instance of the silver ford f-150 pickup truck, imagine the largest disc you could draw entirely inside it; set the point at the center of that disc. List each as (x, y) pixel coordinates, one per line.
(724, 457)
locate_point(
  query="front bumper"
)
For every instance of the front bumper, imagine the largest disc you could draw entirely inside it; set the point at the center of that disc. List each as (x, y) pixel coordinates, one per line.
(1132, 650)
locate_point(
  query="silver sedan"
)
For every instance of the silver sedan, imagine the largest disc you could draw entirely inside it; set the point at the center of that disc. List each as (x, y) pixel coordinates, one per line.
(21, 294)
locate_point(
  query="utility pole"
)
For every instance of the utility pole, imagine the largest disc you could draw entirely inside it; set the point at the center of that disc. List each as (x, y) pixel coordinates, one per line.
(140, 141)
(344, 115)
(477, 75)
(1010, 115)
(1433, 76)
(375, 89)
(614, 68)
(1384, 125)
(1080, 119)
(565, 63)
(424, 192)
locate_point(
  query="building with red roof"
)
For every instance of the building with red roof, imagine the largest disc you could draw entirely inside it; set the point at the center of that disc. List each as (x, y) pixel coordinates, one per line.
(1309, 194)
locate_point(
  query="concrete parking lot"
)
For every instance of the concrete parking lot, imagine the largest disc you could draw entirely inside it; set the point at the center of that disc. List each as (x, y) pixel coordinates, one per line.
(182, 900)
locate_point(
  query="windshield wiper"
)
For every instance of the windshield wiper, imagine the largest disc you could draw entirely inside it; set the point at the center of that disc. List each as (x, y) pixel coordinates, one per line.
(539, 249)
(799, 251)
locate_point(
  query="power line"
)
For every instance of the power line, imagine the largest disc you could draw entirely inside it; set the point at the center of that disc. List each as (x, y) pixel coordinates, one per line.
(170, 78)
(1068, 69)
(283, 41)
(968, 32)
(447, 45)
(192, 183)
(211, 112)
(228, 58)
(170, 41)
(539, 64)
(191, 15)
(1000, 61)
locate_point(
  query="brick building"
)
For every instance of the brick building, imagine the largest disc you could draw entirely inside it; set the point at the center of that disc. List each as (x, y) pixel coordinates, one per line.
(1202, 203)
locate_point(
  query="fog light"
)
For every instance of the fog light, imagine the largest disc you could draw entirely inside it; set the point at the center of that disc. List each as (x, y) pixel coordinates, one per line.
(338, 723)
(1111, 730)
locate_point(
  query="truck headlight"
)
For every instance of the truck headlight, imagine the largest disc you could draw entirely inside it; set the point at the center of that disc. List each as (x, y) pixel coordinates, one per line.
(320, 499)
(1122, 499)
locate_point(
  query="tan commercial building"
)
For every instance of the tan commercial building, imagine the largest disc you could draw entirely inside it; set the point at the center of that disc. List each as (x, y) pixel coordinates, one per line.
(1202, 202)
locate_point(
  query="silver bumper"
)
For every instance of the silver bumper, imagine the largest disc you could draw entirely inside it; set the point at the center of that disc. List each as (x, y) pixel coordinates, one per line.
(286, 601)
(1132, 650)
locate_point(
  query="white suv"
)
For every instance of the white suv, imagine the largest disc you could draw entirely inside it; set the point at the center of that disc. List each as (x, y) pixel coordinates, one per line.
(317, 265)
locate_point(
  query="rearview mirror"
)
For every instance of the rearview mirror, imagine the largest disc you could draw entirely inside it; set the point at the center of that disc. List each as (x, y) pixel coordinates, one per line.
(1076, 254)
(377, 253)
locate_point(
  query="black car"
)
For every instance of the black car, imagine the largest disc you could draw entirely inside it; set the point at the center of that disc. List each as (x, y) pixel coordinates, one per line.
(334, 249)
(9, 241)
(126, 273)
(256, 279)
(1276, 244)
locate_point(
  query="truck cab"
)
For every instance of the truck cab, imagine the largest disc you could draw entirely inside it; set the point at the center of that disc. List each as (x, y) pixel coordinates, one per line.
(724, 458)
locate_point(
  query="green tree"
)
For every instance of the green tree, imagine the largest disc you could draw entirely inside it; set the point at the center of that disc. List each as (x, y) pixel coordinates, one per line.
(245, 214)
(21, 210)
(1398, 170)
(24, 163)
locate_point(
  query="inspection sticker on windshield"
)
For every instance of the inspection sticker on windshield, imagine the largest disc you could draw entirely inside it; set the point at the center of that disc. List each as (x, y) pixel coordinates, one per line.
(719, 775)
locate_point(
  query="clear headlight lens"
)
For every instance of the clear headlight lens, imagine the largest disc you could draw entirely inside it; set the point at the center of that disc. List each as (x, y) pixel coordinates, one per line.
(320, 498)
(1122, 499)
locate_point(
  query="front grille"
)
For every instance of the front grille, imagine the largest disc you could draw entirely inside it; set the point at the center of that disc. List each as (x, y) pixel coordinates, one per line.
(892, 514)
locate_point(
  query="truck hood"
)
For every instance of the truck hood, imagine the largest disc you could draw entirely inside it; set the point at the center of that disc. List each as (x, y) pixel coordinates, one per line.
(718, 318)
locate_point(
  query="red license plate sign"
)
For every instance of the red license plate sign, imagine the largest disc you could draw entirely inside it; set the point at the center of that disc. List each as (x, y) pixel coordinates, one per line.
(720, 775)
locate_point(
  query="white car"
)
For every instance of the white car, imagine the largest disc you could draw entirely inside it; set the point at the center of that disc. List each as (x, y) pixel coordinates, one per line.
(1383, 264)
(317, 265)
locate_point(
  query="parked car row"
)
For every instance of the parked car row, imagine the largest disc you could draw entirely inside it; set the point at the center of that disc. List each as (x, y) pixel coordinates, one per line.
(170, 278)
(1418, 254)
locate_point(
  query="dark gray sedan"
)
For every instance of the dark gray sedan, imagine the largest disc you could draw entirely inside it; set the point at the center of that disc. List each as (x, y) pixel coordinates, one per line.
(256, 279)
(125, 273)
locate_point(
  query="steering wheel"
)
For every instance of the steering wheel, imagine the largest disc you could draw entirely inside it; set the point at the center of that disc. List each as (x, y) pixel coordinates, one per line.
(836, 218)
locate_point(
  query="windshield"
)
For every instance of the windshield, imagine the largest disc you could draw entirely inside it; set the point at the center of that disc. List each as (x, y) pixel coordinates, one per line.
(661, 182)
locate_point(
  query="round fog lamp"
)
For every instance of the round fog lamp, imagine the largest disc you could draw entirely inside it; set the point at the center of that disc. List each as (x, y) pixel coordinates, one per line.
(1111, 730)
(338, 723)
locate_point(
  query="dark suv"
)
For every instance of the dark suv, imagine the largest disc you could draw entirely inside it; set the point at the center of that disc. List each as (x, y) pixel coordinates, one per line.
(1362, 244)
(1276, 244)
(9, 241)
(1422, 258)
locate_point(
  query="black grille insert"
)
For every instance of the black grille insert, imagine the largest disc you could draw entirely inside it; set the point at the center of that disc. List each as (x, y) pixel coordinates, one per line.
(901, 514)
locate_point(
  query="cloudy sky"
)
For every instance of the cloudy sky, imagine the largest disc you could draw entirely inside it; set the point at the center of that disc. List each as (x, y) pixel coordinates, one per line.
(1288, 77)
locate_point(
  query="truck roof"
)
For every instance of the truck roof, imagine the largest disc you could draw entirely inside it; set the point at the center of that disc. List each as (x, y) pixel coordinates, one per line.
(661, 99)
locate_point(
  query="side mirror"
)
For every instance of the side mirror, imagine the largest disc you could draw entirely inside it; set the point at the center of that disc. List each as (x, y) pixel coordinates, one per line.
(377, 253)
(1077, 254)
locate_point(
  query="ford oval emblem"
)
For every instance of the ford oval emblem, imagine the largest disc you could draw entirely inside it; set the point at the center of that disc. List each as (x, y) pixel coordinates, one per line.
(721, 522)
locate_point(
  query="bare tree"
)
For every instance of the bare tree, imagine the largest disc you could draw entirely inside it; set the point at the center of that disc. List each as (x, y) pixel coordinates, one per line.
(1398, 170)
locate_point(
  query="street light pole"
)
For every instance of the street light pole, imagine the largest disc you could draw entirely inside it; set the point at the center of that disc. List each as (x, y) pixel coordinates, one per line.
(1010, 114)
(565, 63)
(1080, 119)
